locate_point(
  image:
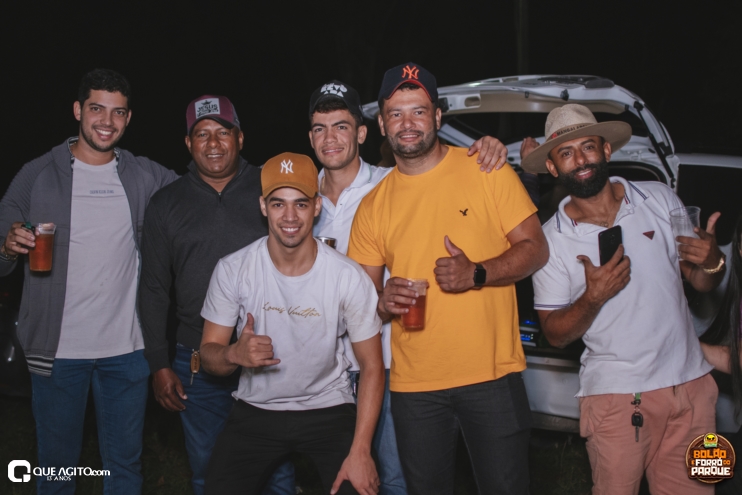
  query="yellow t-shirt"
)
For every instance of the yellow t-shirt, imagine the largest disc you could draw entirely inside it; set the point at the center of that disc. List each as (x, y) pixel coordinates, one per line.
(469, 337)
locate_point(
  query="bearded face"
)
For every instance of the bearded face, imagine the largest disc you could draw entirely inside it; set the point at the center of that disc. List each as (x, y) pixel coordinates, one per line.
(589, 187)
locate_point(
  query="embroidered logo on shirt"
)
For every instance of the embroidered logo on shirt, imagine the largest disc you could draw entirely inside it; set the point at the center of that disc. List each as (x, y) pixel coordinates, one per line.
(287, 167)
(292, 310)
(463, 212)
(206, 107)
(649, 234)
(102, 191)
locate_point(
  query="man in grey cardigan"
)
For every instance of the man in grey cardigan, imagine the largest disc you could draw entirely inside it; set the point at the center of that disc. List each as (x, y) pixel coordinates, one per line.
(78, 323)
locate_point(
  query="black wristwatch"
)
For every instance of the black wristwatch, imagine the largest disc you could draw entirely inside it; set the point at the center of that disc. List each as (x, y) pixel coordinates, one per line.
(480, 275)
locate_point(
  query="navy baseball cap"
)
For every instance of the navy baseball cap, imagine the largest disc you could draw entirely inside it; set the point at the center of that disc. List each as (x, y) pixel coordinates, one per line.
(408, 73)
(339, 91)
(212, 107)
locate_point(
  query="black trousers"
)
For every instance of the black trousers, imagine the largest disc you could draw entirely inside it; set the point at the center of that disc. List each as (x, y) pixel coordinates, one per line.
(255, 441)
(495, 420)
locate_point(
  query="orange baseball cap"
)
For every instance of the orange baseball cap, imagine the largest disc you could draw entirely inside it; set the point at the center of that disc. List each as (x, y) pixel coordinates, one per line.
(289, 170)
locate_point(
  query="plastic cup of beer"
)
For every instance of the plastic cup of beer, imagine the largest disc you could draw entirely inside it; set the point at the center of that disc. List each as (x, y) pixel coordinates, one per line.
(40, 256)
(414, 319)
(683, 220)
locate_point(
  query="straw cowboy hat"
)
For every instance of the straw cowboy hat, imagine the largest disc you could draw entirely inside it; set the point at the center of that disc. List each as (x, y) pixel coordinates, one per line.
(569, 122)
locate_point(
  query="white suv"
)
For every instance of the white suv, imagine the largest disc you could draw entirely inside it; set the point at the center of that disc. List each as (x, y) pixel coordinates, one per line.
(511, 108)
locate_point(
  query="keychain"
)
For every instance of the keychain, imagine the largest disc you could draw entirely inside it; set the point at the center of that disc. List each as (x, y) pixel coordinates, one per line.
(637, 420)
(195, 364)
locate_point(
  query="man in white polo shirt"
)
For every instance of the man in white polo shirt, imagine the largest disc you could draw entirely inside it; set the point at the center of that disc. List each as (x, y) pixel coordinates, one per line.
(645, 392)
(295, 298)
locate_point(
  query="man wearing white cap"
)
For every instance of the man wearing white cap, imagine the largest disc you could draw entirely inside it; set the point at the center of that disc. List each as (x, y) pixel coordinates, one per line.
(645, 392)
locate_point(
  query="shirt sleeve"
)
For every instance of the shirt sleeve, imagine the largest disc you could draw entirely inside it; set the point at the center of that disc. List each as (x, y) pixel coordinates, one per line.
(359, 307)
(364, 246)
(551, 284)
(222, 305)
(154, 288)
(511, 199)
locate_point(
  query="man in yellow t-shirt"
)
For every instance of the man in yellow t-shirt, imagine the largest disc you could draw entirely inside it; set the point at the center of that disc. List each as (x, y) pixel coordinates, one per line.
(472, 235)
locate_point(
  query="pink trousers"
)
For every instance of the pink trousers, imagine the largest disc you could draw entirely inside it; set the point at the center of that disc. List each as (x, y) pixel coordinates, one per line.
(673, 417)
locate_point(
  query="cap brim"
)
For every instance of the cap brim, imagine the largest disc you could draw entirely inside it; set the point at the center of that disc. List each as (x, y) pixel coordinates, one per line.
(301, 187)
(410, 81)
(616, 133)
(331, 96)
(223, 122)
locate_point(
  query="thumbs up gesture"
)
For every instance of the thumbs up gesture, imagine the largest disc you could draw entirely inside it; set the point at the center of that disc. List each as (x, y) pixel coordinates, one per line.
(250, 350)
(456, 272)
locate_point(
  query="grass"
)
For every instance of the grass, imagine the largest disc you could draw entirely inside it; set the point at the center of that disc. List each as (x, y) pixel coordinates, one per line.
(558, 462)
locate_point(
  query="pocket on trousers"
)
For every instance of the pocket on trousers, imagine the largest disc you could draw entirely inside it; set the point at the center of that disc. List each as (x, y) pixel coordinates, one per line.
(593, 410)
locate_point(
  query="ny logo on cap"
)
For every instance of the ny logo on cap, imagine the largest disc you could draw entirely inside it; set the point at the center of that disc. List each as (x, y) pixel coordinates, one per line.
(334, 89)
(287, 167)
(207, 107)
(410, 72)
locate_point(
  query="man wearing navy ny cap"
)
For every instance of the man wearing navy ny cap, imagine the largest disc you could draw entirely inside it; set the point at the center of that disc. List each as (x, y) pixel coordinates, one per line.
(471, 235)
(336, 133)
(208, 213)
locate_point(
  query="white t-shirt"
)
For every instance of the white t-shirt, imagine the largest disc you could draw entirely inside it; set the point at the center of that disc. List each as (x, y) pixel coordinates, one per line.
(302, 315)
(99, 318)
(643, 338)
(336, 220)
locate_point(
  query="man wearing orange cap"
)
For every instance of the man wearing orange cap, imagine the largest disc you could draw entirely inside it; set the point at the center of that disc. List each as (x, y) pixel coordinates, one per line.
(645, 392)
(289, 293)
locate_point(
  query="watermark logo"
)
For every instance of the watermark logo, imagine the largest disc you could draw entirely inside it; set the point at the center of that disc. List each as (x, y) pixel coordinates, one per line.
(50, 473)
(24, 477)
(710, 458)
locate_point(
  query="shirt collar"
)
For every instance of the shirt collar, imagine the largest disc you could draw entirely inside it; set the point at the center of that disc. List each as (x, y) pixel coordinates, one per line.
(74, 139)
(633, 197)
(363, 177)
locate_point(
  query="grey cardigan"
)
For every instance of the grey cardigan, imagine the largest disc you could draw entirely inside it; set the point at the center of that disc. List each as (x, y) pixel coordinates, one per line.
(42, 192)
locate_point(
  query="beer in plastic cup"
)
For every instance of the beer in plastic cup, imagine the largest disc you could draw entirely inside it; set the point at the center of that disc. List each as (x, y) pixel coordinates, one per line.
(683, 220)
(40, 256)
(414, 319)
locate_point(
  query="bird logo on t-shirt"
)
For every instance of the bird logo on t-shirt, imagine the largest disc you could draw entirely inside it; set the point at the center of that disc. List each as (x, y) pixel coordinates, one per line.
(463, 212)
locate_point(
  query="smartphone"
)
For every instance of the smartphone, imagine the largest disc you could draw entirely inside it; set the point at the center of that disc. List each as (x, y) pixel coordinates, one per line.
(608, 242)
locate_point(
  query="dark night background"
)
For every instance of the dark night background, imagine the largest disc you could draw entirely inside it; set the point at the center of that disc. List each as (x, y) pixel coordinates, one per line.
(269, 57)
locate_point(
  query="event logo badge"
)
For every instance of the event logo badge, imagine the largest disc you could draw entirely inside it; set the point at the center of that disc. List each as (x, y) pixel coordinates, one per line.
(710, 458)
(209, 106)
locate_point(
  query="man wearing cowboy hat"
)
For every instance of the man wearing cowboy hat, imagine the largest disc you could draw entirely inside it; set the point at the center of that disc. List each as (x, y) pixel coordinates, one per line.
(645, 392)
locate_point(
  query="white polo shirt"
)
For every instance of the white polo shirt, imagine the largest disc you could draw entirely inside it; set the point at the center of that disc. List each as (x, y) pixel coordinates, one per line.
(643, 338)
(335, 221)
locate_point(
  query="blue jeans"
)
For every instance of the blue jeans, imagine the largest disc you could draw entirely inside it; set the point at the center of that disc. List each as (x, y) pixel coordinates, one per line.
(495, 421)
(385, 445)
(120, 397)
(207, 408)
